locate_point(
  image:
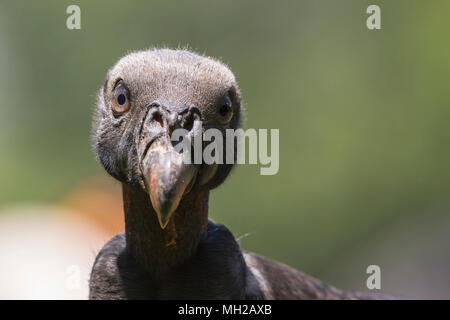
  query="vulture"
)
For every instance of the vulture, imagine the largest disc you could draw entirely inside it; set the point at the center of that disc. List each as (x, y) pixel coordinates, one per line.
(169, 249)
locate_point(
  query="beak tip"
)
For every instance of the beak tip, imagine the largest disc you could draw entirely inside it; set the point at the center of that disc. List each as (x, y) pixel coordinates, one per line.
(163, 217)
(166, 178)
(163, 224)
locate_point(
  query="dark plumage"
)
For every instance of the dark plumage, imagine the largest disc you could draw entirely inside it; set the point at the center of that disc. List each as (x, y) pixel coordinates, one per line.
(169, 249)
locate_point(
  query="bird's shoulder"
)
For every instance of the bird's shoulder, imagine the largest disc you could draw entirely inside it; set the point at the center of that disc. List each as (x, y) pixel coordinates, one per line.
(115, 275)
(105, 282)
(217, 270)
(279, 281)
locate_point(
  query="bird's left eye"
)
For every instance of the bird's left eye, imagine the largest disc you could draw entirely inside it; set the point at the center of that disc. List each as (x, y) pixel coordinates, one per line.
(226, 109)
(120, 102)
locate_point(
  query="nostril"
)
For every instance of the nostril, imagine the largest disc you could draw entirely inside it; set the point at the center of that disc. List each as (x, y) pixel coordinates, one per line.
(188, 124)
(158, 118)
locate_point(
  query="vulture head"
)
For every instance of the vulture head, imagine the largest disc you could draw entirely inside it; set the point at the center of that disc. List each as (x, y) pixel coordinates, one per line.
(147, 96)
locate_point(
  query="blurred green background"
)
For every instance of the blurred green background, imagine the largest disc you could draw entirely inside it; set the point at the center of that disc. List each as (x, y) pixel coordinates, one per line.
(363, 118)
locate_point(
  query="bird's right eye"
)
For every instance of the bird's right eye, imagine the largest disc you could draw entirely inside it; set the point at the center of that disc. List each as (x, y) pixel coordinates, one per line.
(120, 100)
(226, 109)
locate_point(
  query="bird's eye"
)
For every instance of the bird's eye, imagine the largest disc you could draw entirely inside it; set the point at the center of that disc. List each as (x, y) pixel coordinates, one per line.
(120, 102)
(226, 109)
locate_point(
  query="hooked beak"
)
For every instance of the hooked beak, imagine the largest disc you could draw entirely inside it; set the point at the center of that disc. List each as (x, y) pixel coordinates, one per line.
(166, 177)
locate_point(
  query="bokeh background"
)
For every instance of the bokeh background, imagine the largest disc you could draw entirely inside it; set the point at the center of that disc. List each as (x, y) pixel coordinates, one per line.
(364, 136)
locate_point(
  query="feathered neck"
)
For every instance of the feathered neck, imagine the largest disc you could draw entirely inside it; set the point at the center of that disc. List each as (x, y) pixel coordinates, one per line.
(156, 249)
